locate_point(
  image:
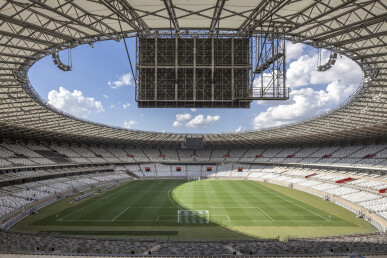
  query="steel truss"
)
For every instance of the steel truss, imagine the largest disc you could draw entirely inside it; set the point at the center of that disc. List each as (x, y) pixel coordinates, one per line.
(33, 29)
(198, 71)
(268, 60)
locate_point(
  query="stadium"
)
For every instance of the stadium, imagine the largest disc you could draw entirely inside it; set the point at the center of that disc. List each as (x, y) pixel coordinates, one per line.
(311, 188)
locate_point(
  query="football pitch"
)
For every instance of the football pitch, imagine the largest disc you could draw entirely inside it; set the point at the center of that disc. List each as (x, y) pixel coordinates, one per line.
(206, 209)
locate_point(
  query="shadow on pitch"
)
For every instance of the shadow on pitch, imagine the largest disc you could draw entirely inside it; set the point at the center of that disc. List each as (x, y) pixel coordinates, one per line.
(192, 217)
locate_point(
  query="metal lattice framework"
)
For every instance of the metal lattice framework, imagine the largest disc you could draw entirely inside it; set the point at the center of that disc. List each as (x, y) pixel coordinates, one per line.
(32, 29)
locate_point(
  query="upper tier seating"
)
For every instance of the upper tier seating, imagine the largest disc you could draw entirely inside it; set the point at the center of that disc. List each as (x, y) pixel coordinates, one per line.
(203, 155)
(186, 155)
(219, 154)
(20, 155)
(170, 155)
(138, 155)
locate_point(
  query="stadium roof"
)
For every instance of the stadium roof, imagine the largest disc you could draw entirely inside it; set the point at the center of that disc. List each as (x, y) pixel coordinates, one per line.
(32, 29)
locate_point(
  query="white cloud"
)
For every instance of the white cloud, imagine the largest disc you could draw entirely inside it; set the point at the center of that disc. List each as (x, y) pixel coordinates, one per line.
(194, 122)
(304, 103)
(338, 84)
(125, 106)
(129, 124)
(74, 102)
(239, 129)
(123, 80)
(105, 96)
(183, 117)
(294, 51)
(202, 121)
(177, 124)
(303, 71)
(194, 109)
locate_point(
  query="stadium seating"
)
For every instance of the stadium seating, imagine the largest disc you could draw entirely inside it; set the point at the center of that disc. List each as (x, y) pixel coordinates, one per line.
(374, 243)
(218, 155)
(363, 190)
(27, 193)
(194, 170)
(30, 155)
(163, 170)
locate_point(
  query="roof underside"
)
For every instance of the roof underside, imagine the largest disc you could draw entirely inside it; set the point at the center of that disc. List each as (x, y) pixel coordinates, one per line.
(32, 29)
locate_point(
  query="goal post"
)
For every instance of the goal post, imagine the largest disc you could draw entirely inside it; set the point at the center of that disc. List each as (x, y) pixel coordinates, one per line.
(193, 216)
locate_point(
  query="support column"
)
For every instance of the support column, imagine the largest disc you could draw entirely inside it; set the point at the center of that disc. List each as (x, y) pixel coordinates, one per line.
(212, 68)
(232, 69)
(176, 64)
(156, 50)
(194, 68)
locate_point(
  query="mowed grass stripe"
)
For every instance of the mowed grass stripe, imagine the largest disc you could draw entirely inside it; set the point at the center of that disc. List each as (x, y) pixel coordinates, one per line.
(266, 204)
(122, 201)
(218, 200)
(241, 215)
(279, 209)
(156, 202)
(109, 205)
(304, 212)
(96, 201)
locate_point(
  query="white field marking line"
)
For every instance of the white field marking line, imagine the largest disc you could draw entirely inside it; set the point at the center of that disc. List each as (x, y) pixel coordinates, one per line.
(220, 216)
(154, 207)
(106, 220)
(197, 191)
(120, 214)
(211, 192)
(294, 203)
(215, 207)
(87, 220)
(267, 215)
(158, 217)
(61, 219)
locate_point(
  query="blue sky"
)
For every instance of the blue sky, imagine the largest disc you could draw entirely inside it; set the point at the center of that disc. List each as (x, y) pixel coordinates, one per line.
(99, 88)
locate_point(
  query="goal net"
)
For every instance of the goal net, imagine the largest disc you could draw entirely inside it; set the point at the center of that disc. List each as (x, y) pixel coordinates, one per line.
(193, 216)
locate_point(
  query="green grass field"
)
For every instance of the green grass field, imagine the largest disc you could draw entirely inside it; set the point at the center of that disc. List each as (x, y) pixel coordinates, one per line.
(236, 209)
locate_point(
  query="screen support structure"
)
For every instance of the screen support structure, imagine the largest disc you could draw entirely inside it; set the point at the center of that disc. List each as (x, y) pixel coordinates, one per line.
(210, 71)
(268, 74)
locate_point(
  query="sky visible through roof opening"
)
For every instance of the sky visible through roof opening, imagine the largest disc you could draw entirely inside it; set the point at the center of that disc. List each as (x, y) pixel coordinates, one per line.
(100, 88)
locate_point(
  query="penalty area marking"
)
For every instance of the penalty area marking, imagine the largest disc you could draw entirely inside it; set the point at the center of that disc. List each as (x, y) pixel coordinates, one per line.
(158, 217)
(293, 203)
(86, 220)
(228, 218)
(99, 199)
(267, 215)
(116, 217)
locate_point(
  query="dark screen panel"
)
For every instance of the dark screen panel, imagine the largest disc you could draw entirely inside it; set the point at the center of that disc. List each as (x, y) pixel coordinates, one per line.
(194, 143)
